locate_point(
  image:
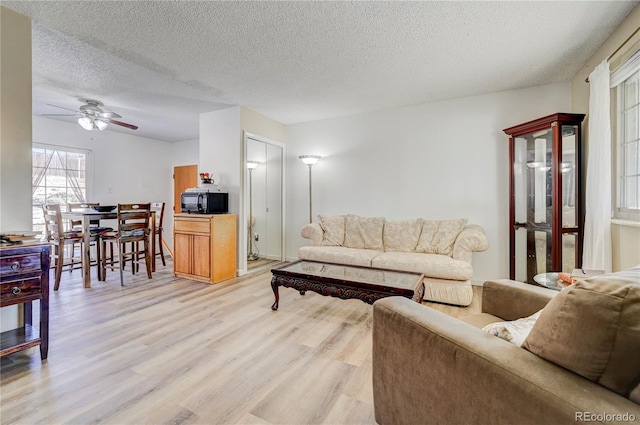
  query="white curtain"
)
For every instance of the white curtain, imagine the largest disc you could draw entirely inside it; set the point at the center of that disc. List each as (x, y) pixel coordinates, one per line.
(597, 226)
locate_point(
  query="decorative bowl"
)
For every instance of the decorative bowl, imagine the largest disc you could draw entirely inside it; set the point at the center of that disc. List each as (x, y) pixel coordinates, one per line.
(104, 208)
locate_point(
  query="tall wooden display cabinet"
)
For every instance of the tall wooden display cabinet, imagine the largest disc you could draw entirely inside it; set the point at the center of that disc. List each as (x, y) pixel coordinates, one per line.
(546, 206)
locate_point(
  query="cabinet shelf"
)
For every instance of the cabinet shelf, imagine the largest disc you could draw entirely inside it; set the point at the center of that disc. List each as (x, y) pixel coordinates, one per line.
(19, 339)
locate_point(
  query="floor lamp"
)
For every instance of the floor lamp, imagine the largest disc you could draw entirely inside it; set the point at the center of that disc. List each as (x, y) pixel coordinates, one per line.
(251, 165)
(310, 160)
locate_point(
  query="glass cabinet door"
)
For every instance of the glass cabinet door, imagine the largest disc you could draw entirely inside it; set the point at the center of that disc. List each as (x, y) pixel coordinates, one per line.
(533, 201)
(569, 198)
(568, 174)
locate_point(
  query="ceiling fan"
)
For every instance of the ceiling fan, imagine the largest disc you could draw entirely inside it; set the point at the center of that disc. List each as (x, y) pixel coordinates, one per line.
(91, 116)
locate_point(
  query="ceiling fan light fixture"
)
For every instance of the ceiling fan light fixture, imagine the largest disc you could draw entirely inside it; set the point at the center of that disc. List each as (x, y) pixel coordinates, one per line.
(86, 123)
(100, 124)
(91, 117)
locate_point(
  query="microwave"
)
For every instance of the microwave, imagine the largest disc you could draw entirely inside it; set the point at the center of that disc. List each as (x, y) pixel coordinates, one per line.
(205, 202)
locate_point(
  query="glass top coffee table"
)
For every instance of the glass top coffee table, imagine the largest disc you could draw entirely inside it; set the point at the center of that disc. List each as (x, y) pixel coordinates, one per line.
(341, 281)
(549, 280)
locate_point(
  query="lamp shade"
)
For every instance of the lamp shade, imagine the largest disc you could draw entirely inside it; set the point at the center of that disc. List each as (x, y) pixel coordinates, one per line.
(251, 165)
(310, 159)
(100, 124)
(90, 123)
(86, 123)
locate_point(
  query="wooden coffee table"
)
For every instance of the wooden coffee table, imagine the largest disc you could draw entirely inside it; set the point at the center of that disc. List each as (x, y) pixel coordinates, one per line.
(336, 280)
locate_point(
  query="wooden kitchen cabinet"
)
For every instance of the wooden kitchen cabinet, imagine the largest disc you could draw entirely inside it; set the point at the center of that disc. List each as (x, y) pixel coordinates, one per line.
(205, 246)
(24, 278)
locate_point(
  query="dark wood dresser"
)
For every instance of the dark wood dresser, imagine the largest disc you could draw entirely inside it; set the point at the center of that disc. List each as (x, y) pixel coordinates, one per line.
(24, 278)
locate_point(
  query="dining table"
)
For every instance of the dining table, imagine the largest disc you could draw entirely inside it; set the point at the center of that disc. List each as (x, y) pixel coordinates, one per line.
(87, 215)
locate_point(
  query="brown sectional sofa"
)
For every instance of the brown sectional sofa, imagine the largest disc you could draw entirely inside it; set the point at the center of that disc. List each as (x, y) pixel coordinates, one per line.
(430, 368)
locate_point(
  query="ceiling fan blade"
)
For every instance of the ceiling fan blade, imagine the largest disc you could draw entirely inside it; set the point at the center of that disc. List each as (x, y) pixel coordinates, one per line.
(109, 115)
(59, 115)
(123, 124)
(62, 107)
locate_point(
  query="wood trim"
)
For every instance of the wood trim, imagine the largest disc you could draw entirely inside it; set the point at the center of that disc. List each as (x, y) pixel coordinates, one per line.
(580, 189)
(542, 123)
(512, 211)
(556, 196)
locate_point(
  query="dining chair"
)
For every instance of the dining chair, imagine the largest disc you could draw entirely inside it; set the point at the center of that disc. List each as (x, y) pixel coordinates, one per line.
(73, 206)
(133, 227)
(158, 207)
(56, 235)
(94, 224)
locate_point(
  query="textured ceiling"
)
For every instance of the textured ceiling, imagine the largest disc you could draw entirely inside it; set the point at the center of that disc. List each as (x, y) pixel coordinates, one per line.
(160, 64)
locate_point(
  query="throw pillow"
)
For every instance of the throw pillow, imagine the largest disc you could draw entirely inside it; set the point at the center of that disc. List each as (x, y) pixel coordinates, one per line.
(363, 232)
(333, 227)
(515, 331)
(402, 236)
(593, 329)
(438, 237)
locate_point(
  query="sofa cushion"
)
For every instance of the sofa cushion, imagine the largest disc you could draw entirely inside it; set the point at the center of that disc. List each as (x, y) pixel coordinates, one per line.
(338, 255)
(439, 236)
(402, 236)
(480, 320)
(454, 292)
(333, 227)
(593, 328)
(363, 232)
(431, 265)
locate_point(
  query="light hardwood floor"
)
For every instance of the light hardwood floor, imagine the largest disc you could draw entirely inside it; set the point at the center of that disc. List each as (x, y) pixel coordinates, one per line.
(261, 262)
(175, 351)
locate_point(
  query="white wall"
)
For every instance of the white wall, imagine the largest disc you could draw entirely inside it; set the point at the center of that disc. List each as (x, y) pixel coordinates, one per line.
(220, 151)
(436, 161)
(15, 133)
(184, 153)
(15, 120)
(222, 155)
(126, 168)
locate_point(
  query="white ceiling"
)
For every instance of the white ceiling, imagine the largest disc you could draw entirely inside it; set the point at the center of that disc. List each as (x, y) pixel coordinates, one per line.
(160, 64)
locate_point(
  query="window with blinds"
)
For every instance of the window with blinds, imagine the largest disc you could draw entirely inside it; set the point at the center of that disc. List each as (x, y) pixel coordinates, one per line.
(626, 84)
(59, 176)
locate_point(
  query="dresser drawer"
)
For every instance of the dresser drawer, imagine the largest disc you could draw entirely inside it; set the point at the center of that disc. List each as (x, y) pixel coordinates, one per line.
(20, 288)
(16, 264)
(193, 226)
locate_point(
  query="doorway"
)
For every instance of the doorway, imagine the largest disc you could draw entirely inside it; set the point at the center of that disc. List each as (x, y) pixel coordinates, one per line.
(184, 177)
(263, 211)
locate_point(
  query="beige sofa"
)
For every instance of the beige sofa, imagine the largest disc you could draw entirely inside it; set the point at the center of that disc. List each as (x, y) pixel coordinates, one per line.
(440, 249)
(579, 363)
